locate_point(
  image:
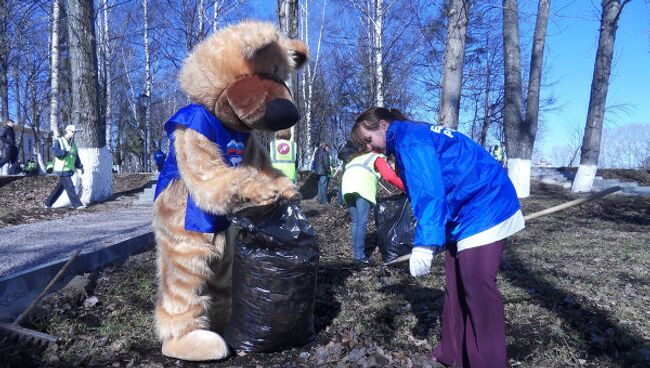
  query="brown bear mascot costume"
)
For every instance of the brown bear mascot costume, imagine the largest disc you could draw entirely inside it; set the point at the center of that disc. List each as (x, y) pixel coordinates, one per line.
(215, 166)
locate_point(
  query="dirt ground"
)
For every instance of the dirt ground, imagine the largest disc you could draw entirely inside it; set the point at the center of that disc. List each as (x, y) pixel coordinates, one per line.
(21, 198)
(574, 284)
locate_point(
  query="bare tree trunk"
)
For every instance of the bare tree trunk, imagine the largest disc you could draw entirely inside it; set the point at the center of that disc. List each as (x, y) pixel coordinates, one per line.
(378, 32)
(486, 104)
(535, 75)
(520, 133)
(54, 70)
(147, 68)
(108, 79)
(454, 61)
(4, 60)
(590, 151)
(215, 17)
(288, 20)
(200, 15)
(97, 181)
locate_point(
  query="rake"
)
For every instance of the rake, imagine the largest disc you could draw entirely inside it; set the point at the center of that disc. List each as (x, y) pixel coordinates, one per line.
(541, 213)
(26, 335)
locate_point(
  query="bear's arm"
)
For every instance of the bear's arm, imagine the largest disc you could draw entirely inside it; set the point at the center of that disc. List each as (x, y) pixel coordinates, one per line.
(215, 186)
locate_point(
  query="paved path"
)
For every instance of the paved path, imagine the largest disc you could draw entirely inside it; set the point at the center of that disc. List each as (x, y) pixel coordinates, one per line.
(29, 245)
(31, 254)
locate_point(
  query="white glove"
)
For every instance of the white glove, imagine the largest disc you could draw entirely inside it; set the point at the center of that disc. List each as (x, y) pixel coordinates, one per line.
(420, 262)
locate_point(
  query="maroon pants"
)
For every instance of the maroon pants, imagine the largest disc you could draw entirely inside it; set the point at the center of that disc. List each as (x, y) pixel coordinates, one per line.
(473, 323)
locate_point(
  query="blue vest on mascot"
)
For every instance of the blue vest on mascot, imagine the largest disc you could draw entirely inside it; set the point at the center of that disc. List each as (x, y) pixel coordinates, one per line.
(230, 142)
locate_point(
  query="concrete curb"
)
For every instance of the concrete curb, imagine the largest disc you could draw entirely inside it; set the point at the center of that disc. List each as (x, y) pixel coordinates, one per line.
(19, 289)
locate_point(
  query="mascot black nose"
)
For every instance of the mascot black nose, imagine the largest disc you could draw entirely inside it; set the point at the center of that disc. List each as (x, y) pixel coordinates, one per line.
(281, 114)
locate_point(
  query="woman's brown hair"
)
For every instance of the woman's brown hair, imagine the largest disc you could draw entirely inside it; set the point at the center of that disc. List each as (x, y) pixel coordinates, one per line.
(370, 119)
(283, 134)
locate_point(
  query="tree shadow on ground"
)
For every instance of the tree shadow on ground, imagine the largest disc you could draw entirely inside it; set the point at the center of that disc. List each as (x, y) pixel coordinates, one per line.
(600, 333)
(331, 276)
(309, 188)
(425, 303)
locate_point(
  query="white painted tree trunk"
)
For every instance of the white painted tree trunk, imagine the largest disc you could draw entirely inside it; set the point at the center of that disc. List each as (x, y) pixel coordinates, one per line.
(54, 70)
(590, 151)
(584, 180)
(378, 29)
(93, 154)
(108, 80)
(519, 173)
(97, 162)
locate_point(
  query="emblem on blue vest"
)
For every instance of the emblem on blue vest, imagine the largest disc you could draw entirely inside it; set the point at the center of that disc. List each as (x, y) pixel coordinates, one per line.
(234, 152)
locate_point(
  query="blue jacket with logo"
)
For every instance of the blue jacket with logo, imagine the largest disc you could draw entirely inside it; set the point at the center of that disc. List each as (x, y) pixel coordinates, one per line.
(230, 143)
(456, 188)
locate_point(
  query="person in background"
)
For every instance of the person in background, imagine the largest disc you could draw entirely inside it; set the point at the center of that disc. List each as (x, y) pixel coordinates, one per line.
(497, 153)
(159, 158)
(8, 143)
(66, 161)
(359, 188)
(322, 168)
(345, 154)
(465, 204)
(283, 154)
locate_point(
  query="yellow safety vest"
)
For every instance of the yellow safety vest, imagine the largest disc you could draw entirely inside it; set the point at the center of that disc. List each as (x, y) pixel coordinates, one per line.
(283, 157)
(66, 163)
(360, 177)
(498, 154)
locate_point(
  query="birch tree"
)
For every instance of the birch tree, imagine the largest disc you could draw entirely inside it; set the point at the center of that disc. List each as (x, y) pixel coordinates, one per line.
(54, 69)
(108, 77)
(4, 60)
(97, 180)
(147, 93)
(307, 83)
(378, 49)
(457, 17)
(590, 151)
(520, 131)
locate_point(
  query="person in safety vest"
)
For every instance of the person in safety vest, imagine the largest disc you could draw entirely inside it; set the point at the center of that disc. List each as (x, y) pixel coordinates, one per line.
(66, 161)
(497, 153)
(283, 154)
(465, 205)
(359, 188)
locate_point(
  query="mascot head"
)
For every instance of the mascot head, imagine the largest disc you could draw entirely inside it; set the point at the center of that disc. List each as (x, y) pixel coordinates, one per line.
(238, 74)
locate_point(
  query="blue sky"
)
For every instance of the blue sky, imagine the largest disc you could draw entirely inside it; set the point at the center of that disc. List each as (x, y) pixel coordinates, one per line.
(569, 58)
(571, 43)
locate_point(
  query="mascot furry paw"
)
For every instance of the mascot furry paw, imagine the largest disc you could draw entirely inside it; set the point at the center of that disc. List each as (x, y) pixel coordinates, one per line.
(215, 165)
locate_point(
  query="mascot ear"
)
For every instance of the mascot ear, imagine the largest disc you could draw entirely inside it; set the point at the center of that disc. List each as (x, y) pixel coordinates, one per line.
(298, 52)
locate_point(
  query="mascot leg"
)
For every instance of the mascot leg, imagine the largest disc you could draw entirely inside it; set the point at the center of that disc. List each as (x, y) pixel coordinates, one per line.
(184, 260)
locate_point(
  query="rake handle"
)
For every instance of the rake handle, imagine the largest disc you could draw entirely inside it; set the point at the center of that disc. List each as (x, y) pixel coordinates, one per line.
(48, 287)
(537, 214)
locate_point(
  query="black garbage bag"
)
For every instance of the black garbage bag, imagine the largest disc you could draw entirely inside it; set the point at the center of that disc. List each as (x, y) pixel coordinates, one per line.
(273, 280)
(395, 226)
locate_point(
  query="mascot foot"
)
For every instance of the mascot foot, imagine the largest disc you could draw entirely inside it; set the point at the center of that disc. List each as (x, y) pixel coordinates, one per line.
(197, 345)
